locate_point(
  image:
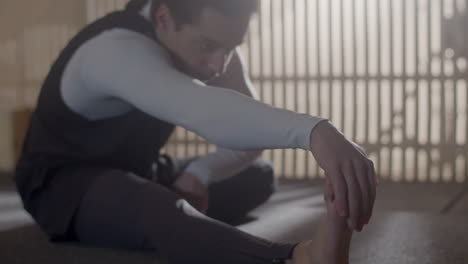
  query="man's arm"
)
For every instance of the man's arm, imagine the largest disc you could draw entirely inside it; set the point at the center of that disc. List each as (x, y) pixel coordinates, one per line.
(225, 163)
(132, 68)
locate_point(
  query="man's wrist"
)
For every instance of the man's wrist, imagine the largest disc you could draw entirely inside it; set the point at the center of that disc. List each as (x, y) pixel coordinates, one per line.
(316, 135)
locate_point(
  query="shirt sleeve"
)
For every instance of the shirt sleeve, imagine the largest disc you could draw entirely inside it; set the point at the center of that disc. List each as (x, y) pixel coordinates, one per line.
(221, 164)
(135, 69)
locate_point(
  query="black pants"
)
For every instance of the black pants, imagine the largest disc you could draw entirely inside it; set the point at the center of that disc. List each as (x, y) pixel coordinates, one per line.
(122, 210)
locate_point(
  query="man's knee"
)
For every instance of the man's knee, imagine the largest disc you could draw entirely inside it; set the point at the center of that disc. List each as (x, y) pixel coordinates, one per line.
(263, 177)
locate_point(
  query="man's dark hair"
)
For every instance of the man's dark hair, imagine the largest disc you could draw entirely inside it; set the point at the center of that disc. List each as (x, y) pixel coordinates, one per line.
(188, 11)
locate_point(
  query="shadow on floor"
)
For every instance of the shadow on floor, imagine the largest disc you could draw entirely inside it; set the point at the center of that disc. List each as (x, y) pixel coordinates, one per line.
(28, 244)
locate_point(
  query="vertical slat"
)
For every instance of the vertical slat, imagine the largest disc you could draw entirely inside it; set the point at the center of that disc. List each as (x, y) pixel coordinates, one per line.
(175, 144)
(452, 137)
(443, 113)
(295, 75)
(417, 93)
(392, 86)
(465, 79)
(260, 53)
(466, 127)
(273, 58)
(197, 145)
(90, 9)
(366, 73)
(319, 68)
(261, 49)
(249, 55)
(428, 73)
(20, 91)
(283, 72)
(186, 143)
(404, 82)
(354, 97)
(307, 73)
(379, 85)
(330, 58)
(343, 61)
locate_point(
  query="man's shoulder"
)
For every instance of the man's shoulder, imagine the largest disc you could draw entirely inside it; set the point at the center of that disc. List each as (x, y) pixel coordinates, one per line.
(120, 45)
(120, 38)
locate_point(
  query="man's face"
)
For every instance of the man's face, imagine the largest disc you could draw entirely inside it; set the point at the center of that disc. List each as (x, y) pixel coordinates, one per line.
(203, 49)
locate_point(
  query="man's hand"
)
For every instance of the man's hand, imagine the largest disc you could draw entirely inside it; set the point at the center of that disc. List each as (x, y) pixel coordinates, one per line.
(192, 190)
(351, 173)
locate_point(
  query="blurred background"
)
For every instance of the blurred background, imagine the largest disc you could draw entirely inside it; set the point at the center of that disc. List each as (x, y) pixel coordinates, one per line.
(391, 74)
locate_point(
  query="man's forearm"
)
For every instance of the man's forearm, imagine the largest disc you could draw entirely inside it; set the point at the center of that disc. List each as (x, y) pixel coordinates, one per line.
(221, 164)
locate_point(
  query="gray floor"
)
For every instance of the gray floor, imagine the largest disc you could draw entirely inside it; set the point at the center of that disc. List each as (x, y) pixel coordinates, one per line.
(413, 223)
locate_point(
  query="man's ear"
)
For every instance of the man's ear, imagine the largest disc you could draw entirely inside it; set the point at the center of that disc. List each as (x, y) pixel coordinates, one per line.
(163, 18)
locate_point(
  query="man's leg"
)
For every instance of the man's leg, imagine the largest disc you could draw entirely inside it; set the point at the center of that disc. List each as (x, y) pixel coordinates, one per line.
(122, 210)
(233, 198)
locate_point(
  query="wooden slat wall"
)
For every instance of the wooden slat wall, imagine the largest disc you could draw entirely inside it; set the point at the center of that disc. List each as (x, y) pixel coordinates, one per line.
(32, 35)
(391, 74)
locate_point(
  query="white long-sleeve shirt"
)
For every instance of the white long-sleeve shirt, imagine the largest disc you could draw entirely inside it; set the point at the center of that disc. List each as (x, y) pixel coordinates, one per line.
(120, 69)
(222, 163)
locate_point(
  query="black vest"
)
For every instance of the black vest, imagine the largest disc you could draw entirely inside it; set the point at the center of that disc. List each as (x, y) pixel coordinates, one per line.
(58, 137)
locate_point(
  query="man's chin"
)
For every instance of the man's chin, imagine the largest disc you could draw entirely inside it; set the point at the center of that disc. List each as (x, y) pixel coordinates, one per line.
(187, 70)
(202, 78)
(205, 78)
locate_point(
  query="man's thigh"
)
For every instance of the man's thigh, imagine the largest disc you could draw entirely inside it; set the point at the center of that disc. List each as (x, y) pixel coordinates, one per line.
(113, 211)
(235, 197)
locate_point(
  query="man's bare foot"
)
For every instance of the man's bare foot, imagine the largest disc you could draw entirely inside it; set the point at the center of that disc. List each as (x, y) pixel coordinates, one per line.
(332, 242)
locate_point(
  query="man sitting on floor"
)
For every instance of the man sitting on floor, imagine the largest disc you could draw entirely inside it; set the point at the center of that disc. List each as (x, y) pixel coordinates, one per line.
(91, 171)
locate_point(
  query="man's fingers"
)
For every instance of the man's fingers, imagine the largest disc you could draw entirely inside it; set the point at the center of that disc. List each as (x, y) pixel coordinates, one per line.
(372, 179)
(354, 195)
(328, 193)
(340, 192)
(365, 187)
(328, 197)
(368, 183)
